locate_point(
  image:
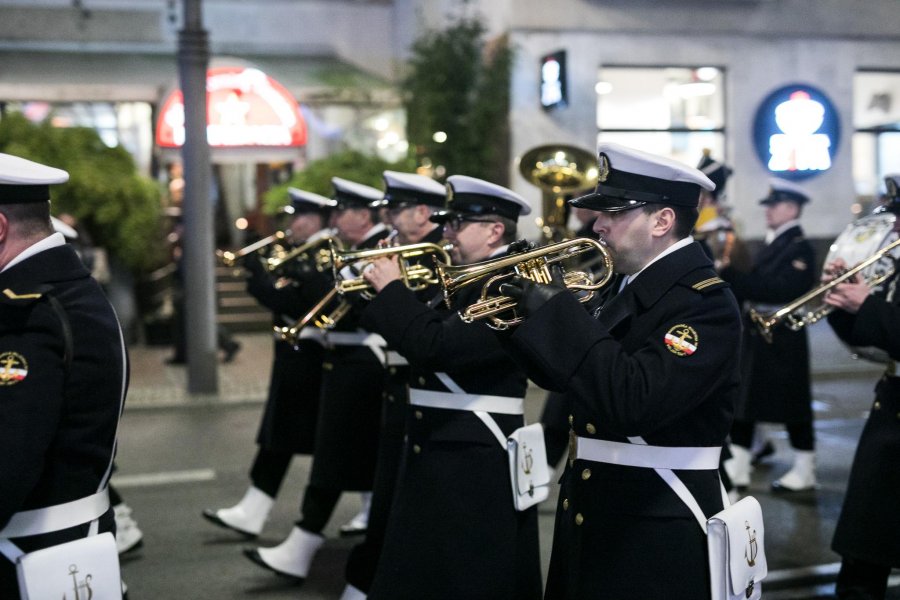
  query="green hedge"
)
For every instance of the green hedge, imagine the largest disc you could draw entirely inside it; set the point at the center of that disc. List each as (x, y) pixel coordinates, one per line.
(120, 209)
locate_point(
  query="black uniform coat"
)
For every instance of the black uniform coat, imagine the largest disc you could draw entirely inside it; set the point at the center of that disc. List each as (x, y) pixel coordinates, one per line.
(869, 523)
(621, 532)
(57, 421)
(364, 557)
(289, 418)
(453, 531)
(776, 379)
(350, 406)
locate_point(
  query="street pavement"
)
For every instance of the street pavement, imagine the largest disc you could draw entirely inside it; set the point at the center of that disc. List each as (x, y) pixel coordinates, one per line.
(181, 453)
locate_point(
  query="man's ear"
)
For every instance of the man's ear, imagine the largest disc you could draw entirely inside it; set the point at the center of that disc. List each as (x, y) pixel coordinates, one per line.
(497, 231)
(4, 228)
(664, 221)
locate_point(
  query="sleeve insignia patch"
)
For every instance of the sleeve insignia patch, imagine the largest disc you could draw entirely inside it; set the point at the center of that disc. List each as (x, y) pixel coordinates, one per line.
(13, 368)
(682, 340)
(800, 265)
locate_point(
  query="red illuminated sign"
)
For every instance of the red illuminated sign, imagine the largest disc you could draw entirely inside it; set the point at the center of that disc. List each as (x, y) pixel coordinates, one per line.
(244, 108)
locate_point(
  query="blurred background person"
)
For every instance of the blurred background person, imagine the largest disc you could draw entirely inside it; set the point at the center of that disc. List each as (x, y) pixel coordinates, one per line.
(776, 376)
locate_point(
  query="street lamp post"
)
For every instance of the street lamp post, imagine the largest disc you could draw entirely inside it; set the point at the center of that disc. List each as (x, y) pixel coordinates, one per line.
(198, 244)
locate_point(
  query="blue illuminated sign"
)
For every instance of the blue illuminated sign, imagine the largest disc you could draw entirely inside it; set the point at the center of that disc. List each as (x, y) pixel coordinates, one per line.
(796, 132)
(554, 92)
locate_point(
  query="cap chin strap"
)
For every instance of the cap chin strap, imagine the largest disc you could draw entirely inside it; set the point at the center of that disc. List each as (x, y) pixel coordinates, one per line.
(619, 193)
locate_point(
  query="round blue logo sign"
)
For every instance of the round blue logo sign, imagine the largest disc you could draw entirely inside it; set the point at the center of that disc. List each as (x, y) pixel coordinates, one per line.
(796, 132)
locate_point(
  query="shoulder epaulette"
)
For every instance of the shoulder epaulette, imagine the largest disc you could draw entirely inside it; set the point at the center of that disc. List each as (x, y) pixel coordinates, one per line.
(12, 297)
(709, 284)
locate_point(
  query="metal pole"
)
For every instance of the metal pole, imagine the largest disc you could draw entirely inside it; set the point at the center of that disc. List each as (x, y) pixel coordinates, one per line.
(198, 264)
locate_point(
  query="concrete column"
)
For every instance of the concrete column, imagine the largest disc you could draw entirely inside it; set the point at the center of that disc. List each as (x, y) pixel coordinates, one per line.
(198, 262)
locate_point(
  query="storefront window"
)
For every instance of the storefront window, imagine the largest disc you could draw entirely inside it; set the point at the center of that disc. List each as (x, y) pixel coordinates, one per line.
(672, 111)
(876, 140)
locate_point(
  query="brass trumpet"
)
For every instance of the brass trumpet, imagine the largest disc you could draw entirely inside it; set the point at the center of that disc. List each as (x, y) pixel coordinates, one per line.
(333, 306)
(533, 264)
(230, 259)
(325, 315)
(811, 307)
(317, 252)
(414, 276)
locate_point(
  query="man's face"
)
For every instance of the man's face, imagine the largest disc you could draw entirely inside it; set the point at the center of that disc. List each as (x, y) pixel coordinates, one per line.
(304, 225)
(408, 220)
(628, 235)
(780, 213)
(472, 241)
(352, 224)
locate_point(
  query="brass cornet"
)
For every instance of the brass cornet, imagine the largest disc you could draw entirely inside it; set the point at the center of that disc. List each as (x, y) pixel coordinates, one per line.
(230, 259)
(534, 265)
(811, 307)
(325, 315)
(414, 276)
(317, 253)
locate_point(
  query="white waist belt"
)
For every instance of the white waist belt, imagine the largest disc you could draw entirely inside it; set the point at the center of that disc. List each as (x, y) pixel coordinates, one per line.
(354, 338)
(57, 517)
(393, 358)
(504, 405)
(651, 457)
(312, 333)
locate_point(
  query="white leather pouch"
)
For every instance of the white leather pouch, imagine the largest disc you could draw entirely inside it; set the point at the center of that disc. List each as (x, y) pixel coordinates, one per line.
(86, 568)
(737, 559)
(528, 466)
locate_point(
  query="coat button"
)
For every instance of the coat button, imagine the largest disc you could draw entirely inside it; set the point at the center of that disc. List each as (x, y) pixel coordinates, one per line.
(590, 428)
(392, 370)
(417, 448)
(390, 397)
(579, 519)
(877, 405)
(586, 474)
(571, 419)
(418, 414)
(421, 381)
(566, 504)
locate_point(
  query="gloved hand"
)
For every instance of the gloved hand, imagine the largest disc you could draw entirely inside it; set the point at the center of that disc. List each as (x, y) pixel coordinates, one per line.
(532, 296)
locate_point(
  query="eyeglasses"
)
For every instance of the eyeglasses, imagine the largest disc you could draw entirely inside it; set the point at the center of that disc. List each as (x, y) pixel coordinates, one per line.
(456, 223)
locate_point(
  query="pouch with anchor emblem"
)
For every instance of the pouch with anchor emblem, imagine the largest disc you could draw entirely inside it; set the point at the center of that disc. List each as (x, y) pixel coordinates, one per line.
(528, 466)
(737, 560)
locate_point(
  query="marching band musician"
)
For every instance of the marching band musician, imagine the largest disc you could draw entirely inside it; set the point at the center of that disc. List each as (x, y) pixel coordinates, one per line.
(866, 532)
(289, 417)
(714, 229)
(409, 200)
(453, 531)
(653, 378)
(775, 377)
(352, 382)
(63, 378)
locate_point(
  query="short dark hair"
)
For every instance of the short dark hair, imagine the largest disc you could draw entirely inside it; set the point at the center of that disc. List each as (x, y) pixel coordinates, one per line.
(29, 219)
(685, 217)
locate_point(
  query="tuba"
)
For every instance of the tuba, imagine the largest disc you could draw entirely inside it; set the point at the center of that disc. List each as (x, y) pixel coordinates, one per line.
(414, 276)
(559, 171)
(534, 264)
(862, 241)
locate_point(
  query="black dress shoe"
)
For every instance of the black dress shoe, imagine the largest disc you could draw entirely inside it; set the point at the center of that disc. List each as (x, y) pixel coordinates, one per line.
(254, 556)
(231, 348)
(211, 516)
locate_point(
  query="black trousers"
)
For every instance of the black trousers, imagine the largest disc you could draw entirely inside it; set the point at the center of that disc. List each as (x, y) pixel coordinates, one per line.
(268, 470)
(801, 434)
(860, 580)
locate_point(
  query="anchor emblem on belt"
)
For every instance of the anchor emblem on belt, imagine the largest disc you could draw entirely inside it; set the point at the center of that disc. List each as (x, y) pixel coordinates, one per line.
(84, 585)
(752, 548)
(527, 460)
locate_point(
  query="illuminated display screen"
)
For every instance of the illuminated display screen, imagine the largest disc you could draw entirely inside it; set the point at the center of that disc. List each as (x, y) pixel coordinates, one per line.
(796, 132)
(244, 108)
(553, 80)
